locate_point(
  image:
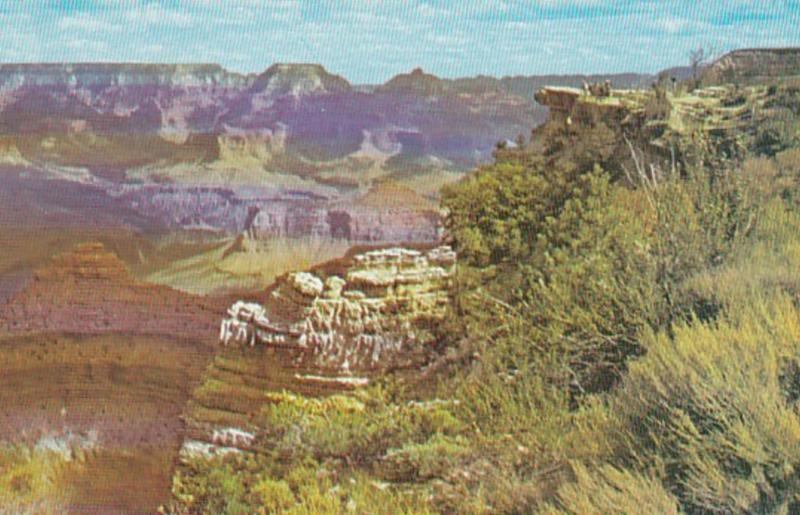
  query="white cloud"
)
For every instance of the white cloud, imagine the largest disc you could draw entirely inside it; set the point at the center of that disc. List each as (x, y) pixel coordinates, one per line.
(428, 11)
(568, 3)
(370, 40)
(673, 24)
(156, 14)
(85, 22)
(91, 48)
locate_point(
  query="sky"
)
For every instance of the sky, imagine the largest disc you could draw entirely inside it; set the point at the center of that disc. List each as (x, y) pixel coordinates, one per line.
(369, 41)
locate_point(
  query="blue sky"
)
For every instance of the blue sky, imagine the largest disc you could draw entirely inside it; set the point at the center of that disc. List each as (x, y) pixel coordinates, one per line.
(368, 41)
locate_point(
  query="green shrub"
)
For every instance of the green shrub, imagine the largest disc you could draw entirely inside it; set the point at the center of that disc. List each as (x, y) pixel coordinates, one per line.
(434, 458)
(33, 480)
(346, 428)
(368, 496)
(212, 486)
(580, 299)
(700, 221)
(711, 407)
(274, 496)
(607, 490)
(766, 265)
(590, 285)
(495, 213)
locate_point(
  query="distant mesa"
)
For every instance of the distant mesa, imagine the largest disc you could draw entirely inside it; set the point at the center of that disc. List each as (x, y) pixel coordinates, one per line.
(85, 262)
(390, 194)
(119, 74)
(415, 82)
(299, 78)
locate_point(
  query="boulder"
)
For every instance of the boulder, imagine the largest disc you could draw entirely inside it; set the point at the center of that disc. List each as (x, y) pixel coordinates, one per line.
(307, 284)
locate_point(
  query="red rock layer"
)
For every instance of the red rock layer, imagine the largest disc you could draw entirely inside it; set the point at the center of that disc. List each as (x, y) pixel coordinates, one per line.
(88, 290)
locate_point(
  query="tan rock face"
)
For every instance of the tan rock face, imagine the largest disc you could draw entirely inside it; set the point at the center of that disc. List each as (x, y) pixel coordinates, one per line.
(377, 316)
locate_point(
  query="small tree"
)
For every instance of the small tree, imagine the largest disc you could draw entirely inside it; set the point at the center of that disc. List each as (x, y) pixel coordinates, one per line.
(698, 58)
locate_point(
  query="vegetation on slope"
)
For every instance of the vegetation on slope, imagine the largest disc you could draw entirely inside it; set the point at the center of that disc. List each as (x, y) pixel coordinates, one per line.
(623, 339)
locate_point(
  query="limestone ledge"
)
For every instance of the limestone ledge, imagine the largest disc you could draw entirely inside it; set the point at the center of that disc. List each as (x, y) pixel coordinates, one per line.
(374, 317)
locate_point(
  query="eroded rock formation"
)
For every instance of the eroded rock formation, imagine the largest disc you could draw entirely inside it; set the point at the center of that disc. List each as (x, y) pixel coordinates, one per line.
(372, 315)
(381, 215)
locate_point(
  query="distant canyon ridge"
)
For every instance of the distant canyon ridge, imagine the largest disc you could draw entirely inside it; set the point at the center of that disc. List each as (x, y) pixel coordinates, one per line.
(293, 151)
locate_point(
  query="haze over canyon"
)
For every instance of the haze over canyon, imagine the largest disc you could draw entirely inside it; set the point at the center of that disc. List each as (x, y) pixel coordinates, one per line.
(293, 151)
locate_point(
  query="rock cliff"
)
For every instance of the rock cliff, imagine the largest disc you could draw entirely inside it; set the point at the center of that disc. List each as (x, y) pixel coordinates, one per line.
(393, 214)
(721, 123)
(372, 313)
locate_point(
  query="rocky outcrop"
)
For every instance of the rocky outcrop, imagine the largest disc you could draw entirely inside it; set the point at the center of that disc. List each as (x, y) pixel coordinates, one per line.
(573, 106)
(373, 314)
(315, 333)
(590, 126)
(88, 290)
(710, 126)
(558, 99)
(755, 65)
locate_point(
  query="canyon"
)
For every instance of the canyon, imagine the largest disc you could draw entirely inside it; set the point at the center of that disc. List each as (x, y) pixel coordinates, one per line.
(167, 164)
(292, 151)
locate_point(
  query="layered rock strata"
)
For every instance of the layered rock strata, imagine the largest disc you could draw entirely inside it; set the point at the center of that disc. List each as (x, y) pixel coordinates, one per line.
(373, 315)
(88, 290)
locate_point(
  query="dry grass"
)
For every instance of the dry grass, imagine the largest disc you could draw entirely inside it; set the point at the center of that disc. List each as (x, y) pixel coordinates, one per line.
(610, 490)
(253, 267)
